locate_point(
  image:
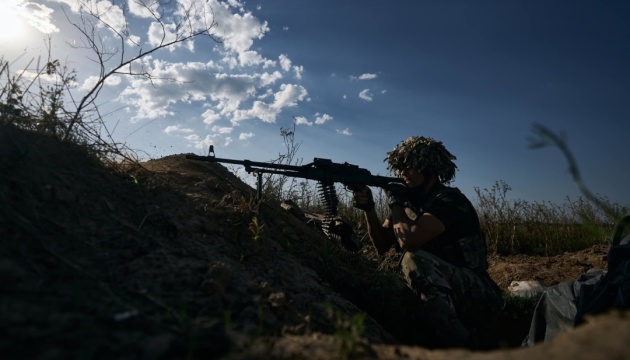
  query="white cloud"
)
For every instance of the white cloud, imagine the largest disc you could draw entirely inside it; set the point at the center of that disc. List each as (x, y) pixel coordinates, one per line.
(246, 136)
(260, 110)
(90, 82)
(204, 143)
(209, 116)
(268, 79)
(235, 96)
(235, 3)
(285, 62)
(225, 94)
(367, 76)
(345, 132)
(222, 130)
(133, 40)
(287, 65)
(74, 5)
(32, 75)
(162, 34)
(319, 120)
(252, 58)
(236, 28)
(113, 80)
(212, 16)
(195, 82)
(301, 120)
(143, 8)
(230, 60)
(177, 129)
(366, 95)
(288, 96)
(266, 94)
(238, 31)
(37, 15)
(110, 14)
(210, 139)
(192, 137)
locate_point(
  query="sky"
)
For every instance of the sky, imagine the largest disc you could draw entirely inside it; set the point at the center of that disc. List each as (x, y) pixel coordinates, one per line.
(355, 78)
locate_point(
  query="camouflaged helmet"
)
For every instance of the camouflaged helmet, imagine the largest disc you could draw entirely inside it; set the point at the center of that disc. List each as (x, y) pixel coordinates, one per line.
(424, 154)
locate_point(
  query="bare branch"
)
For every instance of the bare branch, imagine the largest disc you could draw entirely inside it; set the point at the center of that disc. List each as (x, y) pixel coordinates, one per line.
(184, 30)
(545, 137)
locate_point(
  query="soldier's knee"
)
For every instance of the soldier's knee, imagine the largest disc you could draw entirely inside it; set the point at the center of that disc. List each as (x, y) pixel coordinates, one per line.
(417, 262)
(407, 260)
(408, 265)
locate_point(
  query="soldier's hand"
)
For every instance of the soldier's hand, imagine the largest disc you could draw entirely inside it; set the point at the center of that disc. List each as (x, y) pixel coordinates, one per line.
(397, 194)
(362, 199)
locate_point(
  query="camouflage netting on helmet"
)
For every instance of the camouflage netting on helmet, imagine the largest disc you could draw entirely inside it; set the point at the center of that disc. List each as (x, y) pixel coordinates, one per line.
(424, 154)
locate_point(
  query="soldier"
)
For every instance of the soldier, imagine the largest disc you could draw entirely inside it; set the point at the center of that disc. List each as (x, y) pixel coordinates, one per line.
(445, 257)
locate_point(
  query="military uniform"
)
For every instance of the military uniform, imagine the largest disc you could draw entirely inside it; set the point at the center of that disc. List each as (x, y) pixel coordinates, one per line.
(449, 274)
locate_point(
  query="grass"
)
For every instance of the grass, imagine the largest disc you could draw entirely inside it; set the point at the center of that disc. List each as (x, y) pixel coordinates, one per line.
(542, 227)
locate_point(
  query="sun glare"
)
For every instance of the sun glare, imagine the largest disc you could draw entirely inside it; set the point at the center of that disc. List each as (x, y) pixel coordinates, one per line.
(11, 23)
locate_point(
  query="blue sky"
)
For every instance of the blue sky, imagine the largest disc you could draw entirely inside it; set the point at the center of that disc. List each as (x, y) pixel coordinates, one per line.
(358, 77)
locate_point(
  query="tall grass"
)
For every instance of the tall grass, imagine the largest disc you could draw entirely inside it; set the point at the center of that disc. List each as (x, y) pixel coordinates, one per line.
(542, 227)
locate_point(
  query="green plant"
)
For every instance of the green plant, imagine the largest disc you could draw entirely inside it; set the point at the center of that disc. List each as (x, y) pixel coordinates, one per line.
(256, 228)
(348, 332)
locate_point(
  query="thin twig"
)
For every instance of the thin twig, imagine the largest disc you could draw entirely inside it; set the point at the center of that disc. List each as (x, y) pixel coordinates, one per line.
(547, 137)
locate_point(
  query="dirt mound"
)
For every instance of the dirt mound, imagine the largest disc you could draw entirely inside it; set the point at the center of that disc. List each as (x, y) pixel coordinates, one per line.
(175, 259)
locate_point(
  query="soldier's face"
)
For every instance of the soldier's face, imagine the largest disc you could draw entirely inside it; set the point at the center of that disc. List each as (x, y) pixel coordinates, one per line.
(412, 177)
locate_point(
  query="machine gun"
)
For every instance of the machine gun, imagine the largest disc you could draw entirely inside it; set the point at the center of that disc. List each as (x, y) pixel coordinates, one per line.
(324, 171)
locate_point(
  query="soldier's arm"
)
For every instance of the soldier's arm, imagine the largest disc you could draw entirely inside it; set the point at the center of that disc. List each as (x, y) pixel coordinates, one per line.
(381, 235)
(413, 234)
